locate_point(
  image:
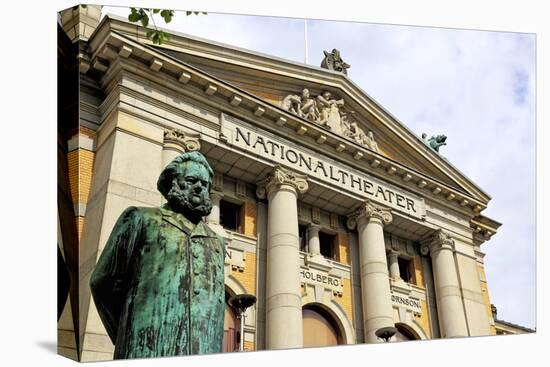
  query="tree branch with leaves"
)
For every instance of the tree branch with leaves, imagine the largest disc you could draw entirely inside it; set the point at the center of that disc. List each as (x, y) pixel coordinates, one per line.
(144, 15)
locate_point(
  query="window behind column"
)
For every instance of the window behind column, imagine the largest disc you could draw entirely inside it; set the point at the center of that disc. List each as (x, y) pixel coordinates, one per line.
(405, 269)
(302, 230)
(328, 243)
(231, 216)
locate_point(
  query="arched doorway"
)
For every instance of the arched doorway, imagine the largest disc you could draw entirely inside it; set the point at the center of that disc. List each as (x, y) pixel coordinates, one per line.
(320, 328)
(231, 328)
(404, 333)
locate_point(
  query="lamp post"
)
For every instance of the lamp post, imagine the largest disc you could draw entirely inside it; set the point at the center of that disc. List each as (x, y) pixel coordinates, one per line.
(240, 303)
(385, 333)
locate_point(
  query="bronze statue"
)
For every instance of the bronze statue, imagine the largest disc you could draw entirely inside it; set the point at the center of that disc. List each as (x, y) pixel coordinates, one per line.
(159, 283)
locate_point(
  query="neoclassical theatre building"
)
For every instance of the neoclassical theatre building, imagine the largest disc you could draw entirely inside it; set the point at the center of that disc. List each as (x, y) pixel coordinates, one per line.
(339, 219)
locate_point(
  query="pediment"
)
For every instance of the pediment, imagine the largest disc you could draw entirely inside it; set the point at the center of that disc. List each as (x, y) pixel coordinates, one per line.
(326, 98)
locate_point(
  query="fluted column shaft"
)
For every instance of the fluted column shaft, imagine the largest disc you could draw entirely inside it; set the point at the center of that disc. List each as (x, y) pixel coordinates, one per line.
(375, 287)
(283, 292)
(449, 300)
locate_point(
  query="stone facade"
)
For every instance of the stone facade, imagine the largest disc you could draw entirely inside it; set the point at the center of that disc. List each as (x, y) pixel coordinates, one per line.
(385, 236)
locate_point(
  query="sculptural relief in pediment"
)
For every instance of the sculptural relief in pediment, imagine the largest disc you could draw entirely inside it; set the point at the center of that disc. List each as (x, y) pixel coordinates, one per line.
(329, 112)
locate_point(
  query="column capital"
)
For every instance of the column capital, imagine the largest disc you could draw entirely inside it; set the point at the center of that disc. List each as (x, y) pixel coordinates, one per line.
(176, 138)
(369, 210)
(279, 177)
(314, 226)
(437, 241)
(393, 253)
(215, 194)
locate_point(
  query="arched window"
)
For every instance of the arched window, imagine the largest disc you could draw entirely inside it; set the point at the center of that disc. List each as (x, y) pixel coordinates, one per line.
(320, 328)
(230, 329)
(404, 334)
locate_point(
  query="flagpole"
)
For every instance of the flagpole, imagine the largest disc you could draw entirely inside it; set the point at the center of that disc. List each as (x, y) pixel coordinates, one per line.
(305, 39)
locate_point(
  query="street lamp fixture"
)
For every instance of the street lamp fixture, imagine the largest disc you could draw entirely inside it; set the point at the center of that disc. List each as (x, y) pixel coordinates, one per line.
(240, 303)
(385, 333)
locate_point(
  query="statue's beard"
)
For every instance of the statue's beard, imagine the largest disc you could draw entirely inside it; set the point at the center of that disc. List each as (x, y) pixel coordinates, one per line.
(179, 202)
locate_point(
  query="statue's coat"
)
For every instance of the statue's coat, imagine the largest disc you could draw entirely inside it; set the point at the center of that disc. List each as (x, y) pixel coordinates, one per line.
(159, 285)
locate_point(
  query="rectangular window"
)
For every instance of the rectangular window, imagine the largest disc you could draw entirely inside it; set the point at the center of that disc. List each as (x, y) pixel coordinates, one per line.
(405, 269)
(327, 242)
(230, 216)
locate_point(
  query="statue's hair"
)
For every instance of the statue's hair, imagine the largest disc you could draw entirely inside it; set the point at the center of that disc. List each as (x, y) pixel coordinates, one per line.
(174, 168)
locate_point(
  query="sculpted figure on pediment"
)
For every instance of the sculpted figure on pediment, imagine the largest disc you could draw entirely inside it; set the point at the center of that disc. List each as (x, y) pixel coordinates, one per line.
(303, 106)
(352, 131)
(329, 111)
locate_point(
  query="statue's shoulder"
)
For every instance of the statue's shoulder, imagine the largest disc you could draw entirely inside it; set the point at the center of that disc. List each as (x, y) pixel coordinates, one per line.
(149, 212)
(142, 212)
(211, 233)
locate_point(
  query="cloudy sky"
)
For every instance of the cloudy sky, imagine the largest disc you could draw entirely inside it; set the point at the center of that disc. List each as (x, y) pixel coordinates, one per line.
(477, 87)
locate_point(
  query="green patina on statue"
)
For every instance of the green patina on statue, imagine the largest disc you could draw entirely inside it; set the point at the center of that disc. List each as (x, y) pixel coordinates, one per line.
(159, 283)
(435, 141)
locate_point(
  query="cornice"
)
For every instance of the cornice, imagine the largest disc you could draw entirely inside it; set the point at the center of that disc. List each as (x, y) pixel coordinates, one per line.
(484, 228)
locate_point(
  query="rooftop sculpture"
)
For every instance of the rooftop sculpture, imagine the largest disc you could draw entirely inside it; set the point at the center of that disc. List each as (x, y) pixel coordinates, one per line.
(333, 61)
(435, 141)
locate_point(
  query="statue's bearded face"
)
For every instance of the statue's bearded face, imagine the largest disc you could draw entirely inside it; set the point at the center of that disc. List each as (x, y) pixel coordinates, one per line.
(189, 194)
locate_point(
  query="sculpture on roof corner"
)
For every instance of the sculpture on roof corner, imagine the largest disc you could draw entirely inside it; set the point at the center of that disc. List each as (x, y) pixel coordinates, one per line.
(435, 141)
(328, 112)
(333, 61)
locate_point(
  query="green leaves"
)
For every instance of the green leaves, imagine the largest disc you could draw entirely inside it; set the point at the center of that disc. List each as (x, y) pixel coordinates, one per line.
(143, 15)
(167, 15)
(158, 37)
(139, 15)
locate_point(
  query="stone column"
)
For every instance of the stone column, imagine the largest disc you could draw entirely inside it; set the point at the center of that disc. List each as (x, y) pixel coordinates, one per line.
(283, 292)
(314, 245)
(214, 217)
(375, 286)
(450, 310)
(394, 265)
(177, 142)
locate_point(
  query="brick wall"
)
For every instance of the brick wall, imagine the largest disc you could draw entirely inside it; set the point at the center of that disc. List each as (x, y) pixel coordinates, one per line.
(418, 271)
(80, 169)
(485, 293)
(249, 220)
(248, 277)
(249, 345)
(424, 319)
(343, 248)
(345, 300)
